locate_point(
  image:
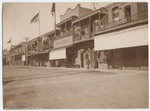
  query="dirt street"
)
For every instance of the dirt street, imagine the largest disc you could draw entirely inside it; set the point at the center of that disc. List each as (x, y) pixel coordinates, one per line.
(59, 88)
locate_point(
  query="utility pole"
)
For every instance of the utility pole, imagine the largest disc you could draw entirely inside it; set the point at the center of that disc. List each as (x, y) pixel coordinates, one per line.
(26, 39)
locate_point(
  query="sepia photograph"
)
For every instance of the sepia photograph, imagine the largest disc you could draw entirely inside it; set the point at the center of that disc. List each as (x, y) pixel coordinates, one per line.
(75, 55)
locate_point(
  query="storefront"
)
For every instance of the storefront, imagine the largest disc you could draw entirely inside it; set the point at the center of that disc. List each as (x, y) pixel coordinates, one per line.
(123, 49)
(18, 61)
(82, 52)
(39, 59)
(59, 56)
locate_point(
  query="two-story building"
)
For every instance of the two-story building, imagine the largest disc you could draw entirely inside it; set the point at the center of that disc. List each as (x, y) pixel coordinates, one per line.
(17, 52)
(61, 55)
(38, 49)
(83, 29)
(114, 37)
(34, 48)
(5, 57)
(122, 42)
(108, 37)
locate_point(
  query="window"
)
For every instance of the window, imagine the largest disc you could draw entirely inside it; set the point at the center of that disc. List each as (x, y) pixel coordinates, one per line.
(127, 11)
(116, 54)
(102, 57)
(142, 7)
(115, 13)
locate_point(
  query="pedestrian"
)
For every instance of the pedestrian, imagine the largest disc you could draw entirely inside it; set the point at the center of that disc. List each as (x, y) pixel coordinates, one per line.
(88, 63)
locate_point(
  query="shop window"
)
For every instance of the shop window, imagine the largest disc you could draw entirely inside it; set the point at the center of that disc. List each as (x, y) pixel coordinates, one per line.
(102, 57)
(115, 13)
(116, 54)
(144, 56)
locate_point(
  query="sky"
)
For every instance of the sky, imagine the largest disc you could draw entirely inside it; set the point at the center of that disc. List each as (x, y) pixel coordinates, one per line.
(17, 16)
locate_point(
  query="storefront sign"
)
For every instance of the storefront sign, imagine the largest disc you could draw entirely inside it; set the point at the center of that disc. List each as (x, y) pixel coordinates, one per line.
(57, 54)
(23, 58)
(63, 42)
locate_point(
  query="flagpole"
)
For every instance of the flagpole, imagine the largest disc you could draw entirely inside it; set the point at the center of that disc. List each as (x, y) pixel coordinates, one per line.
(55, 18)
(39, 22)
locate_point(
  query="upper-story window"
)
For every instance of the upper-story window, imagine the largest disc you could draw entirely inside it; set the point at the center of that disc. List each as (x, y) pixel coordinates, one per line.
(142, 10)
(76, 31)
(142, 7)
(95, 22)
(68, 28)
(45, 42)
(127, 11)
(85, 27)
(115, 13)
(62, 30)
(39, 44)
(51, 39)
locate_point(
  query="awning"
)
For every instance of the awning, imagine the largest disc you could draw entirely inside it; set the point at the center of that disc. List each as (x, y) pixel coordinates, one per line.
(132, 37)
(57, 54)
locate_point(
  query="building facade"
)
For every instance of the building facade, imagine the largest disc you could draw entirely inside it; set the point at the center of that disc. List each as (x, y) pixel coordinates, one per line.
(6, 57)
(61, 55)
(126, 36)
(17, 54)
(112, 37)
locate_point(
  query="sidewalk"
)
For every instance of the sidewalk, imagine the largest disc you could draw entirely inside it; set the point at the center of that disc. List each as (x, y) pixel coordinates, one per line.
(90, 70)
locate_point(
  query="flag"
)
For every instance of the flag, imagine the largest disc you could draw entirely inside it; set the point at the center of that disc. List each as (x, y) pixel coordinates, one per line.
(35, 19)
(53, 9)
(9, 41)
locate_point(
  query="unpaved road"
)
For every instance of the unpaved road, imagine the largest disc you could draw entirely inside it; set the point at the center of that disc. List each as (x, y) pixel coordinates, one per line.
(59, 88)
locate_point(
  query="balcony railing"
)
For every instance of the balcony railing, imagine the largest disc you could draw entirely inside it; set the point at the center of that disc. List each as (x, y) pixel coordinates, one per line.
(126, 20)
(47, 45)
(81, 35)
(64, 34)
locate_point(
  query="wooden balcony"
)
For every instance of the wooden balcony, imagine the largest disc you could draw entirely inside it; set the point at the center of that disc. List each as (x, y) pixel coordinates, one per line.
(124, 22)
(81, 36)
